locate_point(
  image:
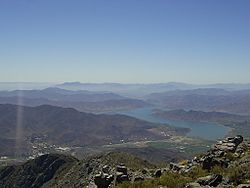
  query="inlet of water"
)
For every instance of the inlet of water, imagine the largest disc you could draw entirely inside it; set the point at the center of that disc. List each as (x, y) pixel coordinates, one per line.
(210, 131)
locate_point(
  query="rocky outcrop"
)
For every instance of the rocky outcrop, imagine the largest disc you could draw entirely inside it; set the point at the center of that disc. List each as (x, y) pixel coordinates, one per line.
(216, 156)
(121, 173)
(226, 154)
(222, 155)
(122, 168)
(211, 180)
(229, 144)
(103, 180)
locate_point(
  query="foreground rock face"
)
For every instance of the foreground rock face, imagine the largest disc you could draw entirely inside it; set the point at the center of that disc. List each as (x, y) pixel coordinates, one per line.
(35, 173)
(214, 157)
(225, 165)
(225, 154)
(230, 144)
(221, 155)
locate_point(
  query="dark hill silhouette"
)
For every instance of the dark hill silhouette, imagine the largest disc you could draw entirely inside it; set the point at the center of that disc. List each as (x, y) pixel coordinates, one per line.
(67, 126)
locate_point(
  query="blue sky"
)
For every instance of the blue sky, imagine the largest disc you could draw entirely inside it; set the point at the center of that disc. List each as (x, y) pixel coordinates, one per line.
(127, 41)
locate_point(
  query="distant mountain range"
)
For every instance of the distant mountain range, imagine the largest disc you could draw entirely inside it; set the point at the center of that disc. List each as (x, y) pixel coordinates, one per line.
(95, 100)
(207, 99)
(139, 90)
(58, 94)
(192, 115)
(130, 90)
(82, 100)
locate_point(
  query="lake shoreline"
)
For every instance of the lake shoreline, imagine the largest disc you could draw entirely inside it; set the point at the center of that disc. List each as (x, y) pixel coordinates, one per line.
(205, 130)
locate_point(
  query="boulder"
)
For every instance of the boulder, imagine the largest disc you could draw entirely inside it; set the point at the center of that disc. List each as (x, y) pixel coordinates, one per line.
(237, 139)
(103, 180)
(175, 167)
(211, 180)
(106, 169)
(210, 161)
(120, 177)
(157, 173)
(138, 178)
(122, 168)
(144, 171)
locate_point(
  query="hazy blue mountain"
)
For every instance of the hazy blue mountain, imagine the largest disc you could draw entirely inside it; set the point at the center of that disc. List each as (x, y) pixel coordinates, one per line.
(82, 100)
(135, 90)
(139, 90)
(58, 94)
(207, 99)
(94, 107)
(192, 115)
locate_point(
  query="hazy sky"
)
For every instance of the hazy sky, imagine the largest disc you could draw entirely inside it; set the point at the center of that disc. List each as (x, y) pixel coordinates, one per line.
(202, 41)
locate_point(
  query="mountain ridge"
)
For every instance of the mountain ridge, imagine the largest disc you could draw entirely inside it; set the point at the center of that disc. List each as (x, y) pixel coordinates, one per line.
(67, 126)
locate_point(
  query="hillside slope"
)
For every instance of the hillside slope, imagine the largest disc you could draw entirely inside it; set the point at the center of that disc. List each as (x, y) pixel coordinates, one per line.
(66, 126)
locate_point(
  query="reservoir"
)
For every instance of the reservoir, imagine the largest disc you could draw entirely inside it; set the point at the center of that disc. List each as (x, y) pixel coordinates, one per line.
(204, 130)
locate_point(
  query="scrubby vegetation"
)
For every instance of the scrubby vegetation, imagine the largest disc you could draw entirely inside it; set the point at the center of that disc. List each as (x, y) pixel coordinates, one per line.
(235, 172)
(169, 179)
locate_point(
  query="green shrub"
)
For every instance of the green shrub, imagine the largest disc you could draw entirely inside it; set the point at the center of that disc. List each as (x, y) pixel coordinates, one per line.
(169, 179)
(174, 180)
(197, 172)
(217, 170)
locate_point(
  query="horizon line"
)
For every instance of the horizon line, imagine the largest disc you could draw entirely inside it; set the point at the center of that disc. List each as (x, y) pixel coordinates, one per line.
(121, 83)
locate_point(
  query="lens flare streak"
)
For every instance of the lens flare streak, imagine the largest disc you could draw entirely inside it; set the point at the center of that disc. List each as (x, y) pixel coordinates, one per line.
(19, 122)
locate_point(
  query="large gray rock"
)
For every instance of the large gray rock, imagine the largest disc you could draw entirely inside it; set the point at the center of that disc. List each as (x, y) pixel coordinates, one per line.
(106, 169)
(236, 140)
(211, 180)
(122, 168)
(103, 180)
(144, 171)
(230, 144)
(210, 161)
(176, 167)
(157, 173)
(120, 177)
(138, 178)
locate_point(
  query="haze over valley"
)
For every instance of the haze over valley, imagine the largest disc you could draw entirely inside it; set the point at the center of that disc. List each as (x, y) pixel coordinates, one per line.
(92, 116)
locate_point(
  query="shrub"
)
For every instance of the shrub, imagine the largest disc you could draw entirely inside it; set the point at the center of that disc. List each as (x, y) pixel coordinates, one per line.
(197, 172)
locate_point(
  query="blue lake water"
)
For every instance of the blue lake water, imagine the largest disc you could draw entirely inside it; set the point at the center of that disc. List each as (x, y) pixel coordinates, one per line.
(210, 131)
